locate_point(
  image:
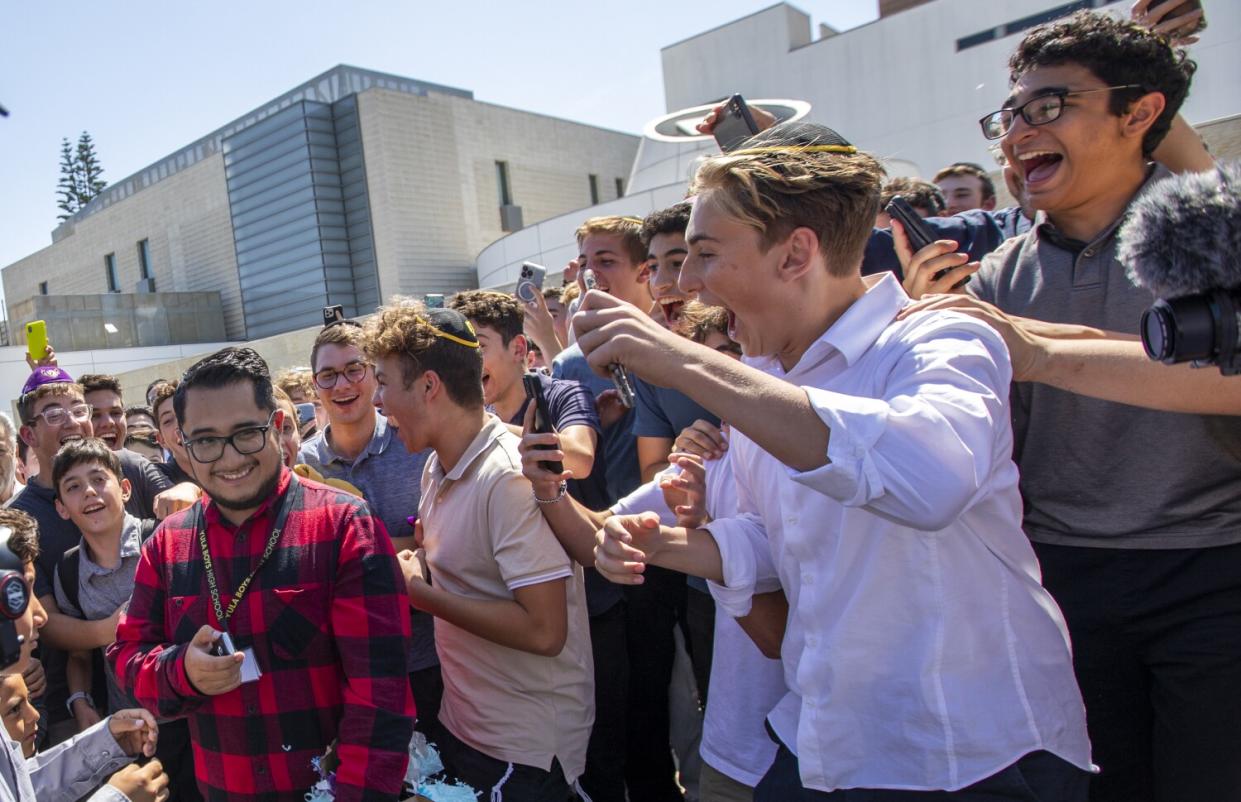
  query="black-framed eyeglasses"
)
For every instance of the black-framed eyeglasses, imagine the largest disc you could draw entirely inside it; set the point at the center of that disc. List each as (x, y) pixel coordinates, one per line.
(58, 416)
(249, 440)
(354, 372)
(1036, 111)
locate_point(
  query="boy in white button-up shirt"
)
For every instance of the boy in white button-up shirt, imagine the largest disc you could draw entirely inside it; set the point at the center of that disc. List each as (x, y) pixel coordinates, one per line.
(875, 481)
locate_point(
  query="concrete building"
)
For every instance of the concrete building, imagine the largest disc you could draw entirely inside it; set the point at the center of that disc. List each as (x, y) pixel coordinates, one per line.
(352, 187)
(909, 87)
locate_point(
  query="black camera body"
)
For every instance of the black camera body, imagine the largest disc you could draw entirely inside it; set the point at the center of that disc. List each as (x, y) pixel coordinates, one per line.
(1180, 240)
(14, 599)
(1204, 328)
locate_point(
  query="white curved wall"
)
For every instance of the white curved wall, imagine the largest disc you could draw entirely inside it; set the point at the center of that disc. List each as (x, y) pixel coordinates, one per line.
(552, 244)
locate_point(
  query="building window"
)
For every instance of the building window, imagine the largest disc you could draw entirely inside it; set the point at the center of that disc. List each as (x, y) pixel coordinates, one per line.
(594, 189)
(144, 258)
(1025, 23)
(620, 188)
(43, 288)
(502, 185)
(109, 264)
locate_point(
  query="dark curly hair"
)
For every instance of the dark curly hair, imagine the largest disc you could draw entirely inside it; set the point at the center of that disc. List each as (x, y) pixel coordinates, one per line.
(673, 220)
(1117, 52)
(492, 309)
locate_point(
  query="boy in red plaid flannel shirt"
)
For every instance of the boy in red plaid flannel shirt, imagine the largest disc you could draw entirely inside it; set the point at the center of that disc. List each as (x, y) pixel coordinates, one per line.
(305, 582)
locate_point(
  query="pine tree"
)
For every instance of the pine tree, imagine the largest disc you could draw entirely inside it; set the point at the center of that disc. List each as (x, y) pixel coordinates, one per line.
(90, 172)
(67, 188)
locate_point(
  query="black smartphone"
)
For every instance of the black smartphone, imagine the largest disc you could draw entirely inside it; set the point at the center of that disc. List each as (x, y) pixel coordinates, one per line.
(333, 314)
(735, 124)
(433, 300)
(917, 232)
(542, 420)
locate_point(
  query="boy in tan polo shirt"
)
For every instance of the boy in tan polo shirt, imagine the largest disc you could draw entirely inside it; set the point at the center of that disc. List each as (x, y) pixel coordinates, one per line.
(509, 606)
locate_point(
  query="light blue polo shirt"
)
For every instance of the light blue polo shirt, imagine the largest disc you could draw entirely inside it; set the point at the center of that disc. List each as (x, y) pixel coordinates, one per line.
(390, 479)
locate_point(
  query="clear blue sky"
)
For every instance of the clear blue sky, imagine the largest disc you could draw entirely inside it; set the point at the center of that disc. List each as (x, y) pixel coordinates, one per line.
(146, 78)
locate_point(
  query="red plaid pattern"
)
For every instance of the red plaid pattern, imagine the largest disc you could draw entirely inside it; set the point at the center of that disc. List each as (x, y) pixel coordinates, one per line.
(328, 619)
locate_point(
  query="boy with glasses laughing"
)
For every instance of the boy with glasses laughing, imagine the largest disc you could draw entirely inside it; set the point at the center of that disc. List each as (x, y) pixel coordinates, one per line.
(1129, 475)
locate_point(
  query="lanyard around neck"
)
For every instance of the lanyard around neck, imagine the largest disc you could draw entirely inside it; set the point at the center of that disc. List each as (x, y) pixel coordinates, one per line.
(222, 615)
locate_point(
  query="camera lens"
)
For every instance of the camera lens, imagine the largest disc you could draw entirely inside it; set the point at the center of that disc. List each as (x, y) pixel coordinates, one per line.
(1157, 326)
(1182, 329)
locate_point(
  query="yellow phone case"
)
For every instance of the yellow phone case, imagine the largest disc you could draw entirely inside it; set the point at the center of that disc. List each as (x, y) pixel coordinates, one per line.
(36, 339)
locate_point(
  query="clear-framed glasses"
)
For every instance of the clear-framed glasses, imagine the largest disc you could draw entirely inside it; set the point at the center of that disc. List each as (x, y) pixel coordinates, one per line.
(1041, 110)
(249, 440)
(58, 416)
(354, 372)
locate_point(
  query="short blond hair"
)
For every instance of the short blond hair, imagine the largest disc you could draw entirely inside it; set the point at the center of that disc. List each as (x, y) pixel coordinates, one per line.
(629, 229)
(296, 380)
(775, 190)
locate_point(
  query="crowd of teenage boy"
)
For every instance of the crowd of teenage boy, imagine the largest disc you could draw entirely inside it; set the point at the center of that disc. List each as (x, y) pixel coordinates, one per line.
(916, 537)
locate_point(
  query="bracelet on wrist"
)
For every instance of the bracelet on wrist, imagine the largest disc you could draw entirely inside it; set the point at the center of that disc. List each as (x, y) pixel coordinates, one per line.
(564, 488)
(84, 696)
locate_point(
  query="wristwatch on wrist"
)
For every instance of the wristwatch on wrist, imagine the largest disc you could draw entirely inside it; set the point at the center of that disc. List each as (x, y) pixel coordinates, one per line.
(73, 697)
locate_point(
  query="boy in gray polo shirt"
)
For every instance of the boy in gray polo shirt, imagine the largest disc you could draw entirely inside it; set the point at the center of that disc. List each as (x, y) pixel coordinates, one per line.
(96, 578)
(1130, 478)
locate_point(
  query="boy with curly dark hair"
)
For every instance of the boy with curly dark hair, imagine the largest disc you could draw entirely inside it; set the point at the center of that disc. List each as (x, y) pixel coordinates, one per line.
(1131, 486)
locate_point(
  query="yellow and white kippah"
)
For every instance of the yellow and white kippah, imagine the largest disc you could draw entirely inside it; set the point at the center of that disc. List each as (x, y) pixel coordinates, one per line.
(459, 339)
(847, 149)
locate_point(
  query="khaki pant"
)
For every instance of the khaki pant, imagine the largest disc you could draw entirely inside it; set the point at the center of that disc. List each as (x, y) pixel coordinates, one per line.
(715, 786)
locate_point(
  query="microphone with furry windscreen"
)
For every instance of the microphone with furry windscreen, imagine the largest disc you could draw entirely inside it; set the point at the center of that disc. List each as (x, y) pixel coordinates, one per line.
(1182, 241)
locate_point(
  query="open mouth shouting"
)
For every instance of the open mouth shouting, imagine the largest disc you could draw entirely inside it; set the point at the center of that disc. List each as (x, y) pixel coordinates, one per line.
(671, 308)
(1038, 166)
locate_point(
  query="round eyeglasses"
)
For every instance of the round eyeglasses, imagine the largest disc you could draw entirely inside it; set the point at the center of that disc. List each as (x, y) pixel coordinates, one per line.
(58, 416)
(354, 372)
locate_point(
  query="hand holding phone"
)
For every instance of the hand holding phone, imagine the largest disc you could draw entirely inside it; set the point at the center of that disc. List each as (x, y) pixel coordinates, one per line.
(735, 125)
(917, 231)
(1180, 24)
(530, 283)
(333, 314)
(542, 418)
(619, 377)
(36, 340)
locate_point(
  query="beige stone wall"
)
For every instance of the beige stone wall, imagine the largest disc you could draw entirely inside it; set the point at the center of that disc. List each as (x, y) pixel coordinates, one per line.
(430, 167)
(1223, 137)
(186, 219)
(283, 351)
(430, 163)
